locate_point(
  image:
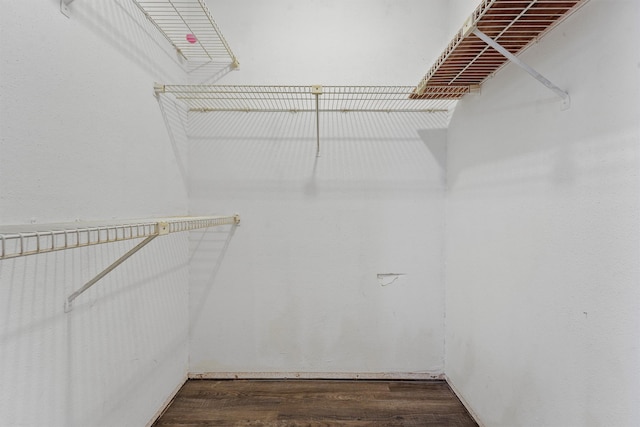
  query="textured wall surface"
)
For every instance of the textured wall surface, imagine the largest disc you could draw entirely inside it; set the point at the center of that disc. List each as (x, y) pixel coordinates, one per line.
(82, 137)
(543, 232)
(299, 290)
(332, 42)
(343, 263)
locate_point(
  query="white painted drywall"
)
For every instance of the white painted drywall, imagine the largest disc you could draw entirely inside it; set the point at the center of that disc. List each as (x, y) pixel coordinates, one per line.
(543, 232)
(298, 287)
(82, 137)
(332, 42)
(298, 290)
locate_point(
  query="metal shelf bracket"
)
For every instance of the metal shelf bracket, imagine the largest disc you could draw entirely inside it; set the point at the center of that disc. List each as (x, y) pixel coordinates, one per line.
(566, 100)
(316, 90)
(68, 304)
(158, 88)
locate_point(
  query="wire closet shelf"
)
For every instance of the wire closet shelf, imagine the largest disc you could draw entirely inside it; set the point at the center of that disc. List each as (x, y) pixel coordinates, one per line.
(22, 240)
(468, 60)
(189, 27)
(208, 98)
(32, 239)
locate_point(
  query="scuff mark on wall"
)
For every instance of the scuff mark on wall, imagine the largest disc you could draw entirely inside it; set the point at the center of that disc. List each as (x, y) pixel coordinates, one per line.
(386, 279)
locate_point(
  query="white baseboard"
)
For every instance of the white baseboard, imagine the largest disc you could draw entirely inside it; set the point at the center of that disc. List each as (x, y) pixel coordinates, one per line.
(464, 402)
(317, 375)
(167, 402)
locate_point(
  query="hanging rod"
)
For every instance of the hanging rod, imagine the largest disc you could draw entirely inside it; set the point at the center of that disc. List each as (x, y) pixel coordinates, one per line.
(23, 240)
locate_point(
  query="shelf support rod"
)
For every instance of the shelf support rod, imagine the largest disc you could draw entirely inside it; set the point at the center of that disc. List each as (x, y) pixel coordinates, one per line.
(566, 100)
(317, 91)
(68, 306)
(317, 127)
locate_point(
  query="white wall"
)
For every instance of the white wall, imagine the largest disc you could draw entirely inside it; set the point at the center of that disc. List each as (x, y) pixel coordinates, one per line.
(543, 232)
(298, 291)
(82, 137)
(332, 42)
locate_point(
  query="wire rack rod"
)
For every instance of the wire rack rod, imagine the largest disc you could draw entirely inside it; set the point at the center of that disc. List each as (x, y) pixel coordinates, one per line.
(22, 240)
(207, 98)
(189, 26)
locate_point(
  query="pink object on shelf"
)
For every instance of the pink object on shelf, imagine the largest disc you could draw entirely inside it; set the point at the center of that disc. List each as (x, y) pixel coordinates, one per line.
(191, 38)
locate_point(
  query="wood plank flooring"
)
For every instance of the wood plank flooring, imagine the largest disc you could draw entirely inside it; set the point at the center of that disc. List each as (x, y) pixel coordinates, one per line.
(315, 403)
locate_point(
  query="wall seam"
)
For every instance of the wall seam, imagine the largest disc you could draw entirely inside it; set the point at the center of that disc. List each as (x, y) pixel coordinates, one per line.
(445, 283)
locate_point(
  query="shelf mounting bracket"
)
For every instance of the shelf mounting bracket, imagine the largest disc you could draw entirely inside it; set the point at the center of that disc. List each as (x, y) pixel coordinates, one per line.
(566, 100)
(317, 91)
(161, 229)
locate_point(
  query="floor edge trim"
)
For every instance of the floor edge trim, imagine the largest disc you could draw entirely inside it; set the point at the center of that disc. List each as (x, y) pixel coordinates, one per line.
(317, 375)
(168, 401)
(462, 400)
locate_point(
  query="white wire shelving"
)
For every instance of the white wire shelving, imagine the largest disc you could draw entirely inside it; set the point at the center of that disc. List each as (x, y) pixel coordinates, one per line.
(188, 26)
(246, 98)
(315, 98)
(33, 239)
(491, 37)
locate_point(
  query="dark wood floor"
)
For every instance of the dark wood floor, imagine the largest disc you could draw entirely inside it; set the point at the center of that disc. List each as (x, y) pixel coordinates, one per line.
(315, 403)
